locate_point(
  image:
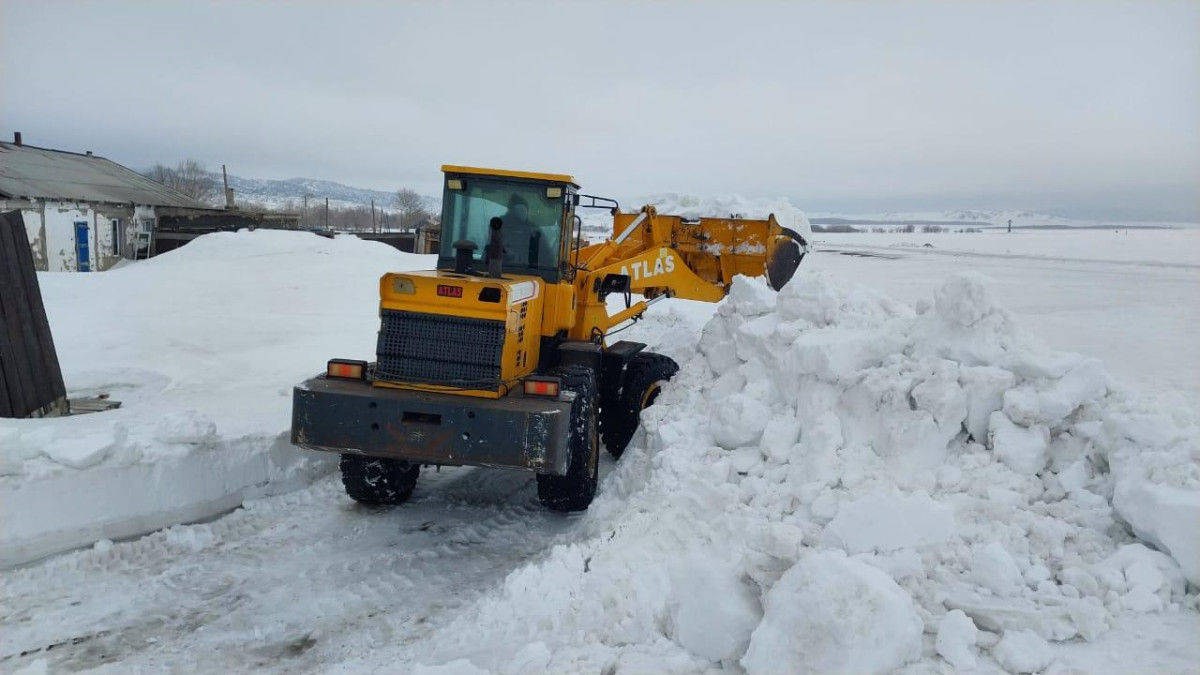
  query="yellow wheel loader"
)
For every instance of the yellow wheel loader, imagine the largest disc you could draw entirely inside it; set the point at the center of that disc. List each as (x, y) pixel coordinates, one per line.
(500, 356)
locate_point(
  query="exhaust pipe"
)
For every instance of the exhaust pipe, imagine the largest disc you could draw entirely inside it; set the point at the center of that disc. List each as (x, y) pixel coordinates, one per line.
(495, 249)
(464, 252)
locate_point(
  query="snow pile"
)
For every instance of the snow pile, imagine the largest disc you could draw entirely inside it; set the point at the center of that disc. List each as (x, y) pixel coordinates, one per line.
(838, 482)
(691, 206)
(202, 346)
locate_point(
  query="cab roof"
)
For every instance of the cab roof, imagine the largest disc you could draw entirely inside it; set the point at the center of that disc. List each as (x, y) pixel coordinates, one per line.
(505, 173)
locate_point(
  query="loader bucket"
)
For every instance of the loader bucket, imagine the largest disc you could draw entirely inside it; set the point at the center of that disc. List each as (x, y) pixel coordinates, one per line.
(713, 250)
(784, 256)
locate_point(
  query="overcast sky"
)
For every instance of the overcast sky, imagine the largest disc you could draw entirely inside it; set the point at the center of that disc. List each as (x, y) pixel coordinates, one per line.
(1080, 109)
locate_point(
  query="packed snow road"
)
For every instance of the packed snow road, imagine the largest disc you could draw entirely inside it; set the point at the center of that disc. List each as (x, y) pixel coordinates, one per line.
(296, 582)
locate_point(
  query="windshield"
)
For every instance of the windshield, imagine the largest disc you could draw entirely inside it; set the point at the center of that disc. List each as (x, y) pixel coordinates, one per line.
(532, 223)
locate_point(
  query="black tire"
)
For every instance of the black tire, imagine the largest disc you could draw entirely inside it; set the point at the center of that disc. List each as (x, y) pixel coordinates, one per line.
(644, 376)
(575, 491)
(378, 480)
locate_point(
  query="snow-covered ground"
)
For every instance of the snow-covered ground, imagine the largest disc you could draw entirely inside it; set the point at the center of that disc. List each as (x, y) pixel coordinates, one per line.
(977, 218)
(1127, 297)
(201, 347)
(1146, 247)
(836, 480)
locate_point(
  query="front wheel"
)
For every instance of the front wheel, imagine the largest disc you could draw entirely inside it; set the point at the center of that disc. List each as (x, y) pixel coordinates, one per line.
(378, 480)
(644, 377)
(575, 491)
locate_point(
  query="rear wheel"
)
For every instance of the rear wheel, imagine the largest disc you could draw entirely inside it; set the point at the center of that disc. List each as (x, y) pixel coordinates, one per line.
(645, 374)
(575, 491)
(378, 480)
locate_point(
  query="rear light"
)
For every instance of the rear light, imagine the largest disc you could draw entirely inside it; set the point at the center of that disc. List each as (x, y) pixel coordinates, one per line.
(346, 369)
(541, 386)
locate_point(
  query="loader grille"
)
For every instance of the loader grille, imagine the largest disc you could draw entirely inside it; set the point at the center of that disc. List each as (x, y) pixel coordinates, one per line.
(436, 349)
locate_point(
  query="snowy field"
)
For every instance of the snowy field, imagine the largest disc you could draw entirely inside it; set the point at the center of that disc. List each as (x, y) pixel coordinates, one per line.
(888, 466)
(1129, 297)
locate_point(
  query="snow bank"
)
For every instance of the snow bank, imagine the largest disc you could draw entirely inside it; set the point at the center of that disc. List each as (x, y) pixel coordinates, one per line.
(202, 346)
(863, 473)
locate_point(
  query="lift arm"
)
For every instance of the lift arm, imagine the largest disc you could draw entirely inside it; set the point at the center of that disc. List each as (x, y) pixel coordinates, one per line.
(664, 255)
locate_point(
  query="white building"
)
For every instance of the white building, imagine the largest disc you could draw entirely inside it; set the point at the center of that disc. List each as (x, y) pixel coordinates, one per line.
(84, 213)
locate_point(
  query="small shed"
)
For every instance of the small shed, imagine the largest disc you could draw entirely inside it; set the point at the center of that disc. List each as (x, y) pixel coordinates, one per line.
(84, 213)
(429, 231)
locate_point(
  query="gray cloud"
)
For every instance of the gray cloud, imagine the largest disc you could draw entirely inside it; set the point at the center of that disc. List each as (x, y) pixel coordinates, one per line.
(1086, 108)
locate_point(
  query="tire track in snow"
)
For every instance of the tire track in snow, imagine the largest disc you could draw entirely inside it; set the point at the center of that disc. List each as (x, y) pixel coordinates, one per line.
(285, 583)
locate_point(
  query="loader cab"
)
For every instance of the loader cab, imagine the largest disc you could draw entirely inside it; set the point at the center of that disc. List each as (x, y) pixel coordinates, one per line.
(535, 210)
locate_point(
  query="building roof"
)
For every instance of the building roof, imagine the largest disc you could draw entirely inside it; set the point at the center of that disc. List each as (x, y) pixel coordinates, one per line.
(40, 173)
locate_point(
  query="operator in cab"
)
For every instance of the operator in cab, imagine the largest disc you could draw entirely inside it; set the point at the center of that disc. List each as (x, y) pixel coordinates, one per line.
(525, 243)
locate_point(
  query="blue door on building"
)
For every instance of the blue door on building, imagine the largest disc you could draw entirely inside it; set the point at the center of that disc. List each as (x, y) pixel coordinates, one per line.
(83, 256)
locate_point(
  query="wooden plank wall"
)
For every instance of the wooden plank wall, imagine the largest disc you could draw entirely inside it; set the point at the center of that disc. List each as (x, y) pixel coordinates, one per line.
(31, 382)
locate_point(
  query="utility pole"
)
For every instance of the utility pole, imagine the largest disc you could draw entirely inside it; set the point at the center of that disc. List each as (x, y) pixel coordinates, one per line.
(1010, 225)
(327, 213)
(373, 229)
(228, 192)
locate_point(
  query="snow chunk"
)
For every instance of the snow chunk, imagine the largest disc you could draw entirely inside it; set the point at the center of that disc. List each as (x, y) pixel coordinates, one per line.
(956, 638)
(886, 522)
(1150, 579)
(714, 612)
(779, 437)
(1024, 450)
(1166, 516)
(456, 667)
(964, 299)
(751, 296)
(984, 387)
(86, 449)
(531, 659)
(830, 613)
(994, 568)
(739, 421)
(1023, 651)
(188, 427)
(1056, 620)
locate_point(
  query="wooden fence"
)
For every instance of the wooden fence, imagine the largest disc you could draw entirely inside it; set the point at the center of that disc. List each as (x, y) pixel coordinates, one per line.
(31, 383)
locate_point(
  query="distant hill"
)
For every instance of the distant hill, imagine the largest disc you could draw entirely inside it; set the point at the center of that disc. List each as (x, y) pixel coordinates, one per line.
(278, 194)
(954, 217)
(975, 218)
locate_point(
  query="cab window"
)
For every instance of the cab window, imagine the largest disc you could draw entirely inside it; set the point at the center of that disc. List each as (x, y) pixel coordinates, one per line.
(532, 223)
